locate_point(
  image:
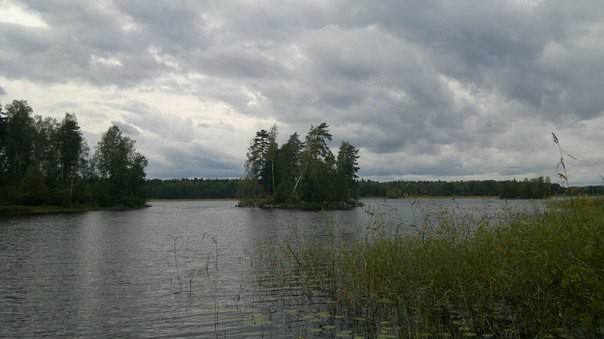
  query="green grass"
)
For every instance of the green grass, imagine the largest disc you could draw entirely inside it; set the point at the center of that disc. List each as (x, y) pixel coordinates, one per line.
(521, 275)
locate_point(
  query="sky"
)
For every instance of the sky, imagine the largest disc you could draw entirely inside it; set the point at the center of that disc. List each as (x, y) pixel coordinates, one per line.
(426, 89)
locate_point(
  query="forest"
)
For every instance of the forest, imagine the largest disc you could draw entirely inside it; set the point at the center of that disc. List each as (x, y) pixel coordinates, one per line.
(48, 162)
(535, 188)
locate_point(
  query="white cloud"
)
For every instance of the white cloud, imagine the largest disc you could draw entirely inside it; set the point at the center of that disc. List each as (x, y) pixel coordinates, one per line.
(15, 13)
(163, 58)
(105, 62)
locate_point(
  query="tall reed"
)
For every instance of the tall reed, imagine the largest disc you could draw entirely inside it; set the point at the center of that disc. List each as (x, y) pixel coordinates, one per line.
(533, 274)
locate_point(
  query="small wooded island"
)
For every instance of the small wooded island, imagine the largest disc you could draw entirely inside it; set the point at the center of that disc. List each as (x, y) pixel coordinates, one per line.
(299, 174)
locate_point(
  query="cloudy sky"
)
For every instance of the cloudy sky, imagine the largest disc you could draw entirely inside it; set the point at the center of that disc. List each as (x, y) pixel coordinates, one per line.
(426, 89)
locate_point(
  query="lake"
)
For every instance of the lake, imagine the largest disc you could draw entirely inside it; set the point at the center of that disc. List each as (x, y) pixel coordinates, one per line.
(180, 268)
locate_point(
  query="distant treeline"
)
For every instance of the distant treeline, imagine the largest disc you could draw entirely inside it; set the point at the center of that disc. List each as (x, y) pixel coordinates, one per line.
(536, 188)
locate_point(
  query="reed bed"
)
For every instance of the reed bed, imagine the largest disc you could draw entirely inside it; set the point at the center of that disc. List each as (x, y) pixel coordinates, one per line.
(537, 274)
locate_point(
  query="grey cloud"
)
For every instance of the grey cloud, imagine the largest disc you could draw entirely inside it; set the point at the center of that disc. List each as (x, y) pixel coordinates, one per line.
(168, 21)
(79, 32)
(149, 119)
(126, 128)
(396, 78)
(194, 160)
(498, 46)
(237, 62)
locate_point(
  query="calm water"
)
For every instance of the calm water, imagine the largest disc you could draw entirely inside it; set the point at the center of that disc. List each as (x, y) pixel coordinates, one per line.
(177, 269)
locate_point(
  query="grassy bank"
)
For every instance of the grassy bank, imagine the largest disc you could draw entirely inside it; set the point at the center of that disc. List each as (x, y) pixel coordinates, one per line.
(521, 275)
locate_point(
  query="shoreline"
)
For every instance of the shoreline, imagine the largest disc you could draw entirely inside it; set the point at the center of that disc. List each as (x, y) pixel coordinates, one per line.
(20, 210)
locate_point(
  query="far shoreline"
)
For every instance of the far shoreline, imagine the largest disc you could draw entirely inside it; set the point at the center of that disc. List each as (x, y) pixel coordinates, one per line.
(21, 210)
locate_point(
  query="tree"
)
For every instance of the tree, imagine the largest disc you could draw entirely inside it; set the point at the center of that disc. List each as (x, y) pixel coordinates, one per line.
(273, 148)
(120, 168)
(257, 163)
(71, 147)
(347, 168)
(318, 166)
(2, 125)
(45, 152)
(18, 146)
(289, 168)
(316, 143)
(260, 165)
(33, 189)
(3, 158)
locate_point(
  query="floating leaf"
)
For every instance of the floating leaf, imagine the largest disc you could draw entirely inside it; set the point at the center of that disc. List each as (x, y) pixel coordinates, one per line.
(324, 315)
(346, 333)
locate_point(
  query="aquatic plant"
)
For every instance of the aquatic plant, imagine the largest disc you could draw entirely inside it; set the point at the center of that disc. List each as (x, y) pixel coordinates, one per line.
(176, 265)
(518, 274)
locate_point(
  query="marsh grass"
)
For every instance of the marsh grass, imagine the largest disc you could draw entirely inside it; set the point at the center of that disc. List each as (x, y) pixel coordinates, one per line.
(514, 275)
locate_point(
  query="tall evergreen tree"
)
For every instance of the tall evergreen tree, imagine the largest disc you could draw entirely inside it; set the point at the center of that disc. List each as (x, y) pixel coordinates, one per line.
(71, 146)
(289, 167)
(347, 168)
(3, 158)
(316, 143)
(318, 166)
(257, 166)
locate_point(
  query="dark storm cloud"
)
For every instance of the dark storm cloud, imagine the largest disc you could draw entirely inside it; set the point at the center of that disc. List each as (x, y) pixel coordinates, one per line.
(424, 87)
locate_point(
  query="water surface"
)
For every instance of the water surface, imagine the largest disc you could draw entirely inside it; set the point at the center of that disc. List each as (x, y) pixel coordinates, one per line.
(177, 269)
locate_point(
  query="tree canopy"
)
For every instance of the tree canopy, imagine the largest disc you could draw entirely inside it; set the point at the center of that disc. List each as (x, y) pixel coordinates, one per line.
(120, 169)
(299, 173)
(45, 162)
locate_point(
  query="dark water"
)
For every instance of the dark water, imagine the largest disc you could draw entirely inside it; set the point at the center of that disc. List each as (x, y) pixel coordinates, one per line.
(177, 269)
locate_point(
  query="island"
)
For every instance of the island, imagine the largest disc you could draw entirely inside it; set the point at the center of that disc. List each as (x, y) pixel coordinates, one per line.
(299, 174)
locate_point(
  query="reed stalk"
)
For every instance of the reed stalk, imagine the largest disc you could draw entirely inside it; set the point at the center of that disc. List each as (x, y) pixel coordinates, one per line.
(537, 274)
